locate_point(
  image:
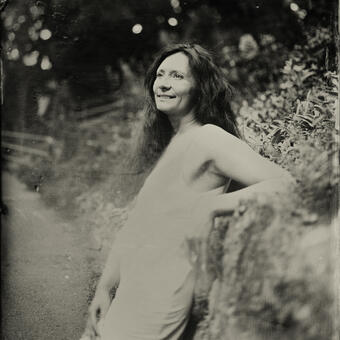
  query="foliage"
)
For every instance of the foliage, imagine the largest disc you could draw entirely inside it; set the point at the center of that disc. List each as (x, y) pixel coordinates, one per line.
(83, 43)
(106, 144)
(294, 124)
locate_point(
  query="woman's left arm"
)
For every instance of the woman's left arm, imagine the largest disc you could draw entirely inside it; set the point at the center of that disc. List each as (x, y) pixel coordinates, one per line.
(233, 158)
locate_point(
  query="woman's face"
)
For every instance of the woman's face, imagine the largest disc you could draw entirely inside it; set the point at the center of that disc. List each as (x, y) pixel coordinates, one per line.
(174, 85)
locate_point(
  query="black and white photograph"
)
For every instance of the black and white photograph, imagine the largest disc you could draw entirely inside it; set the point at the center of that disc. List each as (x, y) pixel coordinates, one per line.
(170, 170)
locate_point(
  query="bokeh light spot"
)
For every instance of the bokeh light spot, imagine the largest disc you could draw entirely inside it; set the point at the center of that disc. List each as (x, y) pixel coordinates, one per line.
(14, 54)
(45, 34)
(38, 24)
(32, 33)
(9, 21)
(31, 59)
(174, 3)
(302, 14)
(21, 19)
(173, 22)
(11, 36)
(138, 28)
(34, 11)
(294, 7)
(46, 63)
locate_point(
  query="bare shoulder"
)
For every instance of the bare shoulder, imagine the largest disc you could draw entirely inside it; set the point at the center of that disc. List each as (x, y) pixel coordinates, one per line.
(210, 134)
(219, 145)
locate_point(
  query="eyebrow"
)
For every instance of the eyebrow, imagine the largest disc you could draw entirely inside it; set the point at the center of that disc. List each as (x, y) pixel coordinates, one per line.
(171, 71)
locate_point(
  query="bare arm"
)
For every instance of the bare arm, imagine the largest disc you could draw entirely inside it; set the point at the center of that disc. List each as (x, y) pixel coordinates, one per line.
(229, 201)
(102, 299)
(233, 158)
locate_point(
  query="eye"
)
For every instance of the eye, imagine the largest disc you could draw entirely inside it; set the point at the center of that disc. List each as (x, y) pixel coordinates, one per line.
(158, 75)
(178, 76)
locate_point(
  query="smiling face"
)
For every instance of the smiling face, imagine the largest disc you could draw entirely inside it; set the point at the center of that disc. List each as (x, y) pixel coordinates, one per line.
(174, 86)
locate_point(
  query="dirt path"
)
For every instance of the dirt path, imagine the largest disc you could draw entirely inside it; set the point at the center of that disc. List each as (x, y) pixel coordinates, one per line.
(46, 269)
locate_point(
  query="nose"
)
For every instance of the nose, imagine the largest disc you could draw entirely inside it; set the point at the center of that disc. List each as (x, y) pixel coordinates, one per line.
(164, 83)
(164, 87)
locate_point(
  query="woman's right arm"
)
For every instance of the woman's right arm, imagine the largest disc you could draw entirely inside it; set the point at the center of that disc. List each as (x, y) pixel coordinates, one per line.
(109, 279)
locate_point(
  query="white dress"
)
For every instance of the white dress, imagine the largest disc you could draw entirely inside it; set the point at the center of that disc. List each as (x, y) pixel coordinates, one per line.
(155, 293)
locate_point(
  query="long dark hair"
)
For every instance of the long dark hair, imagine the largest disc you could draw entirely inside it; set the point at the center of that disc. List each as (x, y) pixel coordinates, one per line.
(213, 95)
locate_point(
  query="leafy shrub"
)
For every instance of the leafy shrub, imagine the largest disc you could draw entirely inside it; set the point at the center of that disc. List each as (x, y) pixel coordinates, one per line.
(294, 125)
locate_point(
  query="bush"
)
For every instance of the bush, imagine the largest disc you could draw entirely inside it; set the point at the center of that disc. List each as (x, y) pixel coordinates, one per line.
(265, 280)
(294, 125)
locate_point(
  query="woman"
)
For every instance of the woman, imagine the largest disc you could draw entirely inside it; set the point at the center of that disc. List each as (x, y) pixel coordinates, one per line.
(190, 124)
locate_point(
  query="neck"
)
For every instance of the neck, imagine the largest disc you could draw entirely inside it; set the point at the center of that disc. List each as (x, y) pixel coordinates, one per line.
(182, 124)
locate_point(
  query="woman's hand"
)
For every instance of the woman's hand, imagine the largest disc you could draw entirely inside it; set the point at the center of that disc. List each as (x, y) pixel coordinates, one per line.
(102, 299)
(98, 308)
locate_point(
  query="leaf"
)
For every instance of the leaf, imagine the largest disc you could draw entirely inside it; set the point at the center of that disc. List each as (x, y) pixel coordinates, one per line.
(278, 136)
(318, 120)
(298, 68)
(286, 85)
(308, 119)
(306, 75)
(319, 108)
(288, 67)
(298, 107)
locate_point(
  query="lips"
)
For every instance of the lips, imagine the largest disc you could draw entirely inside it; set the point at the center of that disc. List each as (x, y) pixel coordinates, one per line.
(165, 96)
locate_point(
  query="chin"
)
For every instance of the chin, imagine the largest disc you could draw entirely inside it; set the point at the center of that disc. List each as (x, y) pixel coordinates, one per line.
(164, 109)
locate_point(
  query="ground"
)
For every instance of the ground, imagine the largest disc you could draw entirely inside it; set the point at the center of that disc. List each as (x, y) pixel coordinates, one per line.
(46, 268)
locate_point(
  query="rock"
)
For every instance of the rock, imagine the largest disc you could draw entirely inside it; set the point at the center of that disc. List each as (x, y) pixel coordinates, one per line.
(272, 279)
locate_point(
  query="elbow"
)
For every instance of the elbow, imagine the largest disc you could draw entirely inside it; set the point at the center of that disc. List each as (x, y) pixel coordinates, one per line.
(284, 182)
(279, 176)
(282, 175)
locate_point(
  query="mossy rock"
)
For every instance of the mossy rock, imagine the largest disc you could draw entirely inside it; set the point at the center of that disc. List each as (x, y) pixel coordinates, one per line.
(271, 276)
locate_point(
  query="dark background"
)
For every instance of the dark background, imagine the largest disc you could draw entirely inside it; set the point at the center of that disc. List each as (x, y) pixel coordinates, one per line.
(78, 61)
